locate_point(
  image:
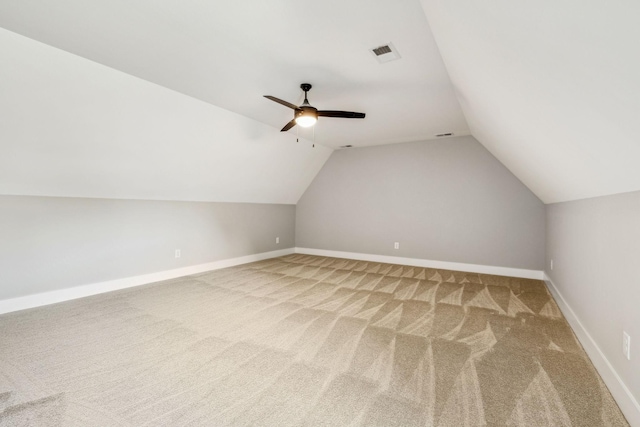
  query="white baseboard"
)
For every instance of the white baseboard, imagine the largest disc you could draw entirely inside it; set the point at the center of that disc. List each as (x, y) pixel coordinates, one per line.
(416, 262)
(52, 297)
(627, 402)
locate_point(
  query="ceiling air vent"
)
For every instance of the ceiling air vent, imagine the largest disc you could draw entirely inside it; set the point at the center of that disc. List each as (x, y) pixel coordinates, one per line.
(382, 50)
(440, 135)
(385, 53)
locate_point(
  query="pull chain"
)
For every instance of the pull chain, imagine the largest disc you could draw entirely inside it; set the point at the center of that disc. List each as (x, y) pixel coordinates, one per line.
(314, 137)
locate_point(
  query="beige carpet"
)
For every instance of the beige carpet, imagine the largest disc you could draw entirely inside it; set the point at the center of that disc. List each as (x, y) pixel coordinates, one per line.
(303, 341)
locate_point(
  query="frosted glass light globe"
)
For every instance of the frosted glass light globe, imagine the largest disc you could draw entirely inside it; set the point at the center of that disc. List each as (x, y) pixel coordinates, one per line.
(306, 121)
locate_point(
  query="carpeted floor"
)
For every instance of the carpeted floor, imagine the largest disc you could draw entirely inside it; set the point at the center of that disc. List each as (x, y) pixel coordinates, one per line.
(303, 341)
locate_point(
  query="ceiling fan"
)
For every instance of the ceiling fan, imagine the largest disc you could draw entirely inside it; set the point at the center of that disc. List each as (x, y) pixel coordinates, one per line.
(306, 115)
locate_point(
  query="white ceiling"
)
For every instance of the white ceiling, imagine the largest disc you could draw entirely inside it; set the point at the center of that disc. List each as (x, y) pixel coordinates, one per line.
(231, 53)
(75, 128)
(550, 87)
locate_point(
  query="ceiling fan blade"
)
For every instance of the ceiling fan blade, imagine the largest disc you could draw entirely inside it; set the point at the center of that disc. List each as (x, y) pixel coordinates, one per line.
(280, 101)
(288, 126)
(342, 114)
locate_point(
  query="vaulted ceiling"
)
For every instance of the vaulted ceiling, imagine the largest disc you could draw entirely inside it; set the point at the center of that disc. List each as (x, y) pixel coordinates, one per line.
(163, 99)
(230, 54)
(550, 87)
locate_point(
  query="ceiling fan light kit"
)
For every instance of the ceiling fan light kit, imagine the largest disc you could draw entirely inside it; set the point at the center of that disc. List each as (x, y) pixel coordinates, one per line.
(306, 115)
(306, 120)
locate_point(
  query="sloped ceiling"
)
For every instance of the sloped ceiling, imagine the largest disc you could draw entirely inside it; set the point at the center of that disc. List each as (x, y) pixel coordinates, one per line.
(71, 127)
(231, 53)
(550, 87)
(160, 99)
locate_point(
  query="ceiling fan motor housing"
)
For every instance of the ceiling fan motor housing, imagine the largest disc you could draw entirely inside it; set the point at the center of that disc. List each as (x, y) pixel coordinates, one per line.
(306, 111)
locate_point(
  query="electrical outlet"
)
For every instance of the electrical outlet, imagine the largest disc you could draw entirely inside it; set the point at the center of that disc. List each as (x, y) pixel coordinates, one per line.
(277, 240)
(626, 345)
(552, 264)
(177, 253)
(396, 245)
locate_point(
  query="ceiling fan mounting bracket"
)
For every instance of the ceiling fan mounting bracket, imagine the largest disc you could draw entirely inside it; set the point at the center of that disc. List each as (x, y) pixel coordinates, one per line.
(305, 87)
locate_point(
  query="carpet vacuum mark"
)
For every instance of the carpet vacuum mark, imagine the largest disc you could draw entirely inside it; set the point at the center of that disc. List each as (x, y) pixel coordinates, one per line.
(303, 340)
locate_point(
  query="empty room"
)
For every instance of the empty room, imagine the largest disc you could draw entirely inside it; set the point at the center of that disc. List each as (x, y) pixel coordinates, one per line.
(331, 213)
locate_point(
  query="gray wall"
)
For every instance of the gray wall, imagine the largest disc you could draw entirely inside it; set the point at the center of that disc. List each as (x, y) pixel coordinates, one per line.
(447, 200)
(595, 247)
(50, 243)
